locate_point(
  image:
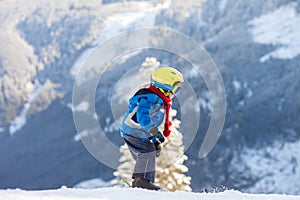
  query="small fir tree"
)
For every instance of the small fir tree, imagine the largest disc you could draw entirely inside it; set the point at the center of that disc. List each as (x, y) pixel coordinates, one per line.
(170, 166)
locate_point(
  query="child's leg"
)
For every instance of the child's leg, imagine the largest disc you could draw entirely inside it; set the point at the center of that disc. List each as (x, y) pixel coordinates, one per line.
(145, 167)
(144, 155)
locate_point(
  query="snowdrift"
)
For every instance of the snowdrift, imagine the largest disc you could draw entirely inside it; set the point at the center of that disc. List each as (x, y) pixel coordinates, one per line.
(114, 193)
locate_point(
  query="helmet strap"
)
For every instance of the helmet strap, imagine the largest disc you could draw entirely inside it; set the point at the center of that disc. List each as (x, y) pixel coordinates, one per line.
(167, 105)
(166, 93)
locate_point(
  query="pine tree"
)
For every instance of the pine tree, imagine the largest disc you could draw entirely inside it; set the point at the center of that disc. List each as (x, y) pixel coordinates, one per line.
(169, 165)
(149, 65)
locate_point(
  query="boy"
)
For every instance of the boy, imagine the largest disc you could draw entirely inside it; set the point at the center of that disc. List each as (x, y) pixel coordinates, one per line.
(147, 109)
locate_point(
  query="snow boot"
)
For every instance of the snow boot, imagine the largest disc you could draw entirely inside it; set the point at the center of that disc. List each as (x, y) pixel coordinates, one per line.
(145, 184)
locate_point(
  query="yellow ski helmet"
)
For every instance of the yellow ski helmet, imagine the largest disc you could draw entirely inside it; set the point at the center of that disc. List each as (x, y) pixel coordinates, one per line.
(167, 79)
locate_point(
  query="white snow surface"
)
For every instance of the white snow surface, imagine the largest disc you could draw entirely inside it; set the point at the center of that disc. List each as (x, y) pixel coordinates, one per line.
(114, 193)
(279, 28)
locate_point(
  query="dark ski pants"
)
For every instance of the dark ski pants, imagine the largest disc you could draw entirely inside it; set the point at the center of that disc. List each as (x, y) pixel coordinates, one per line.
(144, 155)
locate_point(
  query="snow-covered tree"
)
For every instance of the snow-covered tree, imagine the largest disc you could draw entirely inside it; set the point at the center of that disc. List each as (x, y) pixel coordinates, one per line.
(169, 165)
(149, 65)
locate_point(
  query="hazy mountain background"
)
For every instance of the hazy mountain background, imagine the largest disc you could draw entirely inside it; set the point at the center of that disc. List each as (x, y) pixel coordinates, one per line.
(254, 44)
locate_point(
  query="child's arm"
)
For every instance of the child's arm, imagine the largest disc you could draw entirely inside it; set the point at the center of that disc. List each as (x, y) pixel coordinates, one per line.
(143, 116)
(147, 121)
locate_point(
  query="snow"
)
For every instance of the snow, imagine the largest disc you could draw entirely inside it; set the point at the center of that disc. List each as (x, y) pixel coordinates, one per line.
(205, 103)
(144, 17)
(222, 5)
(95, 116)
(114, 193)
(80, 135)
(236, 85)
(276, 165)
(81, 107)
(241, 103)
(125, 87)
(193, 73)
(242, 88)
(112, 127)
(114, 24)
(20, 121)
(93, 183)
(279, 28)
(249, 93)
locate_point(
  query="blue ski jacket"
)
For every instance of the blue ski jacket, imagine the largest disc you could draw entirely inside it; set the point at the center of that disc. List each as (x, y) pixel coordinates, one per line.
(144, 115)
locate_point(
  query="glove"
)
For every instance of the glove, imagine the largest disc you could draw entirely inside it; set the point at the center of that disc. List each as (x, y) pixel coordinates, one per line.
(157, 138)
(158, 149)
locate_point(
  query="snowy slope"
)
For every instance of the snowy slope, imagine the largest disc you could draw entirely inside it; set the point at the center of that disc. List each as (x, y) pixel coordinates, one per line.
(277, 166)
(132, 194)
(279, 28)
